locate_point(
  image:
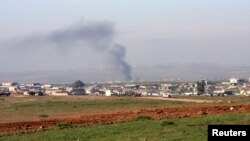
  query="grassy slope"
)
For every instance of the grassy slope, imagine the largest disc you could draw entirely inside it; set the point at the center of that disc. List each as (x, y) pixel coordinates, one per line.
(31, 108)
(190, 129)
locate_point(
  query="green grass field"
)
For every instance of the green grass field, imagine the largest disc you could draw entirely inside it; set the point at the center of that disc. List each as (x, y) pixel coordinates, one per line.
(144, 129)
(36, 108)
(189, 129)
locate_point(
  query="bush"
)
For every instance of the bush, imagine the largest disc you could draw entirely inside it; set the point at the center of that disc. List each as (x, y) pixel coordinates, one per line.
(63, 125)
(44, 116)
(143, 118)
(167, 123)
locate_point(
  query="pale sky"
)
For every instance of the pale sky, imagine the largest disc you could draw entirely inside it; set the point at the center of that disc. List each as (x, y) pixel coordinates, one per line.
(153, 32)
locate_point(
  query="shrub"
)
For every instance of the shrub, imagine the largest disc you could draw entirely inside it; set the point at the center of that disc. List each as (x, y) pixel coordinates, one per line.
(44, 116)
(167, 123)
(143, 118)
(63, 125)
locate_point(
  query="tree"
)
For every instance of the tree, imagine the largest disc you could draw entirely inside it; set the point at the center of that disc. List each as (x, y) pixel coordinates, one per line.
(78, 84)
(201, 87)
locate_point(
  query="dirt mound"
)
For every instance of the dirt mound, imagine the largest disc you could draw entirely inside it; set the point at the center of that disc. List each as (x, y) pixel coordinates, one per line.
(178, 112)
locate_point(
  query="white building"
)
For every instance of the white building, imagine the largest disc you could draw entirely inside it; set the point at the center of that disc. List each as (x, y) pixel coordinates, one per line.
(225, 83)
(234, 81)
(9, 84)
(165, 87)
(108, 93)
(47, 86)
(219, 91)
(59, 93)
(12, 88)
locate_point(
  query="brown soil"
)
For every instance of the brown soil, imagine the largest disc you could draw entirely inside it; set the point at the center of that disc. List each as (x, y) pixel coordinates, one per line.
(110, 118)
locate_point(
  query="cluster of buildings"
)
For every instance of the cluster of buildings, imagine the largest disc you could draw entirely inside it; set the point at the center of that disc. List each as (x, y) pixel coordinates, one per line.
(233, 86)
(38, 89)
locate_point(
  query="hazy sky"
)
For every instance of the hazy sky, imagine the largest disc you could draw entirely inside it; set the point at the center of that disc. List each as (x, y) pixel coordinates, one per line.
(153, 32)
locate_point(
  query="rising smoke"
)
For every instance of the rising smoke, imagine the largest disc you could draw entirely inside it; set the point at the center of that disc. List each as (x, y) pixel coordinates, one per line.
(98, 36)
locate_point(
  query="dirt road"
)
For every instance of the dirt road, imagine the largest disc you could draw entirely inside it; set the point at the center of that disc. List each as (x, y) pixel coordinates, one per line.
(180, 99)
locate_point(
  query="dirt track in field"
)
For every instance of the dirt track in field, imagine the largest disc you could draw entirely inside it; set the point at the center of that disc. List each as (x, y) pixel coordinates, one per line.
(180, 99)
(109, 118)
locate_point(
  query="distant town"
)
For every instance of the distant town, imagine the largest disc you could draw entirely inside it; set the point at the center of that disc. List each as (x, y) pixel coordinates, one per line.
(233, 86)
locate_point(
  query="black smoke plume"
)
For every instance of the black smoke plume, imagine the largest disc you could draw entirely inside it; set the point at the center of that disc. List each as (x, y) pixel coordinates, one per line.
(99, 36)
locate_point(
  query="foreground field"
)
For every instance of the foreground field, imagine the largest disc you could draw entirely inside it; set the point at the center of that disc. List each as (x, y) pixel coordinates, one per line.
(38, 108)
(30, 108)
(85, 117)
(189, 128)
(113, 117)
